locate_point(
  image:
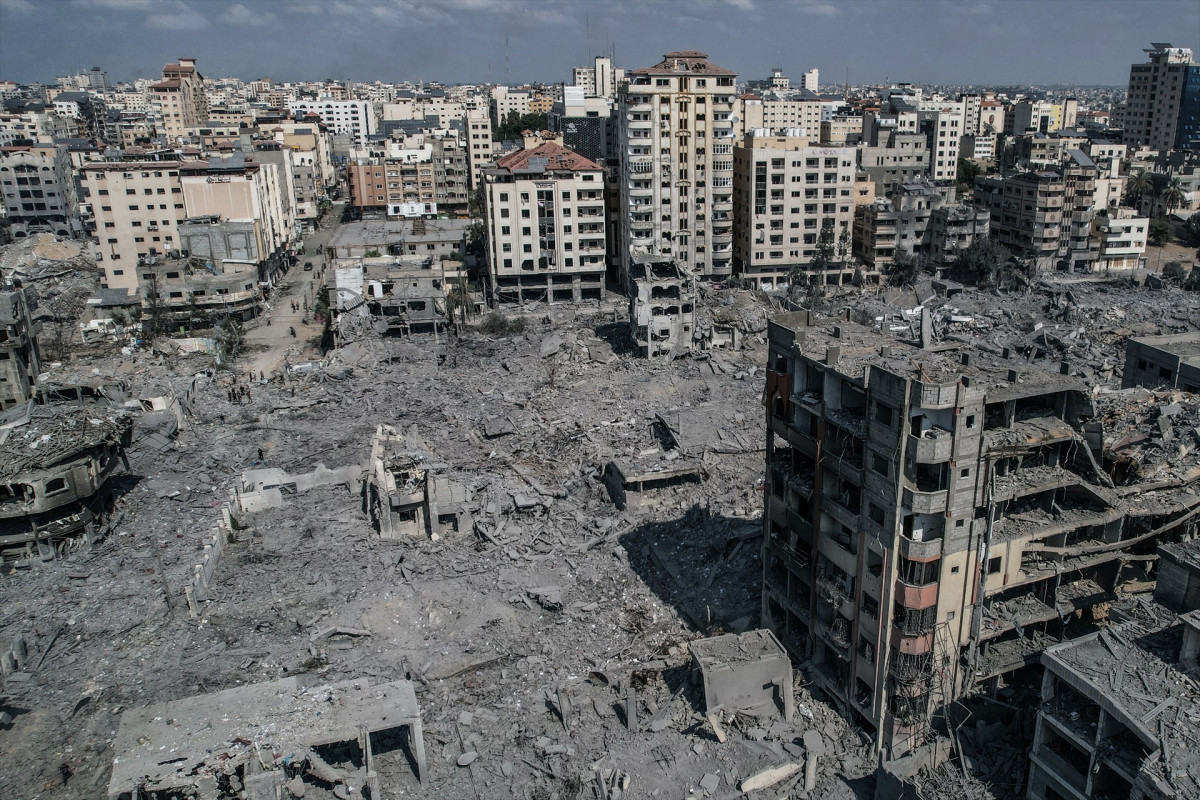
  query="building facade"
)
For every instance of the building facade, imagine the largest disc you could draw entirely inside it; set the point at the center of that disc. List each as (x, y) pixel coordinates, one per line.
(676, 163)
(179, 98)
(545, 217)
(37, 186)
(1158, 92)
(787, 189)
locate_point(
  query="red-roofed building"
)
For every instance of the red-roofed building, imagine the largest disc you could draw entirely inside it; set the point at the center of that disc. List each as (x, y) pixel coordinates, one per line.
(545, 211)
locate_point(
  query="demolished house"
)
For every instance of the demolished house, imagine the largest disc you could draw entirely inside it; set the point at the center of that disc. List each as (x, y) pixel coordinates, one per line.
(19, 351)
(936, 515)
(55, 463)
(253, 741)
(1120, 712)
(408, 493)
(396, 295)
(662, 305)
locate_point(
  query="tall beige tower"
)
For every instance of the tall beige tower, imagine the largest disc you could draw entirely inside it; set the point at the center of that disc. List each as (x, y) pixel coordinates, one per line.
(676, 163)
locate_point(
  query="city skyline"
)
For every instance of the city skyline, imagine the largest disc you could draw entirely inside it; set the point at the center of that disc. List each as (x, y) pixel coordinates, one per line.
(515, 41)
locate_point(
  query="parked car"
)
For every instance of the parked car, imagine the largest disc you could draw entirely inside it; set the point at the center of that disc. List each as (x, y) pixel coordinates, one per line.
(308, 266)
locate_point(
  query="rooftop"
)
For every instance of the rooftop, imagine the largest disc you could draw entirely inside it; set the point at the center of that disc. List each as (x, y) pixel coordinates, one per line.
(683, 62)
(547, 157)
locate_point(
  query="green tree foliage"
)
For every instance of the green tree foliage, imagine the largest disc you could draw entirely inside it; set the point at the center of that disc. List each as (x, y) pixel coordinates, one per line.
(981, 263)
(1191, 230)
(1138, 186)
(514, 124)
(968, 171)
(1171, 194)
(904, 269)
(1159, 233)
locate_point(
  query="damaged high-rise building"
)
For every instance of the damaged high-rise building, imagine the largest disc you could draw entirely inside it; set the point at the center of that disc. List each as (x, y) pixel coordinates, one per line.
(662, 305)
(936, 516)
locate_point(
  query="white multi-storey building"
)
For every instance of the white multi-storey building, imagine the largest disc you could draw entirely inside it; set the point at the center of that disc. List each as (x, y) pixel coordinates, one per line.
(676, 144)
(786, 189)
(353, 118)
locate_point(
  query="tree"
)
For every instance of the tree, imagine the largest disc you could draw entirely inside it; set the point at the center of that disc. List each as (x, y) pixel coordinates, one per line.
(1191, 230)
(1171, 194)
(843, 246)
(968, 171)
(1159, 232)
(1138, 186)
(980, 263)
(904, 269)
(513, 125)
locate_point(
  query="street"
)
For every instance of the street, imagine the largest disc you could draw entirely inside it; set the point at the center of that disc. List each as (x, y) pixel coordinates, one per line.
(269, 345)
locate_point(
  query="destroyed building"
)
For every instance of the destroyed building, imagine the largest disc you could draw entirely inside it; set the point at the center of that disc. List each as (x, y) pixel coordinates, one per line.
(1171, 360)
(662, 298)
(1120, 711)
(408, 493)
(937, 515)
(19, 351)
(262, 739)
(55, 466)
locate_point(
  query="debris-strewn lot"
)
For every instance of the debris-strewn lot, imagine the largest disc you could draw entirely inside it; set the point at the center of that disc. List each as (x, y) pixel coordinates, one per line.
(524, 631)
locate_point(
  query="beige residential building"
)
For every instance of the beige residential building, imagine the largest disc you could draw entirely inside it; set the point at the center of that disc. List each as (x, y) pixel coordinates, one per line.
(545, 216)
(801, 109)
(180, 98)
(1155, 96)
(676, 143)
(478, 126)
(786, 190)
(137, 206)
(1121, 237)
(239, 190)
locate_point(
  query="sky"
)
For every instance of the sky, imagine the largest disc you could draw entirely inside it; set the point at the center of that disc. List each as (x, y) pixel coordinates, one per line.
(988, 42)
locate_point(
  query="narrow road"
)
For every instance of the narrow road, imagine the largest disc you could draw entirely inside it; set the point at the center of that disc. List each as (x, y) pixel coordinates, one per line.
(269, 345)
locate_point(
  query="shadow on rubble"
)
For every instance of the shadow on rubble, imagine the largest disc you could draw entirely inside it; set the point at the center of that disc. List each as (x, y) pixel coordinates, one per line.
(704, 565)
(616, 335)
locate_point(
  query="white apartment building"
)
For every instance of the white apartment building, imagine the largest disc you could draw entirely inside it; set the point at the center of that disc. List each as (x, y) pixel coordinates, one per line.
(1122, 241)
(505, 101)
(352, 118)
(179, 98)
(800, 109)
(137, 207)
(676, 141)
(545, 215)
(786, 189)
(478, 126)
(598, 80)
(943, 127)
(811, 80)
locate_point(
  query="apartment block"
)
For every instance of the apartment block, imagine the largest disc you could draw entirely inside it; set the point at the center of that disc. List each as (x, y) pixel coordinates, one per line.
(1159, 91)
(545, 217)
(1045, 216)
(353, 119)
(772, 111)
(136, 206)
(417, 174)
(786, 189)
(480, 148)
(180, 98)
(893, 150)
(676, 149)
(37, 185)
(919, 219)
(1121, 238)
(937, 516)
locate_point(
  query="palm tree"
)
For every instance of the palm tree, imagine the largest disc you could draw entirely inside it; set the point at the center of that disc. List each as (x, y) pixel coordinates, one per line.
(1138, 186)
(1171, 195)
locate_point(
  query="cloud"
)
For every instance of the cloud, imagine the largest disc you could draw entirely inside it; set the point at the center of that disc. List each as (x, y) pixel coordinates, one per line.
(820, 9)
(742, 5)
(142, 6)
(238, 14)
(17, 6)
(175, 15)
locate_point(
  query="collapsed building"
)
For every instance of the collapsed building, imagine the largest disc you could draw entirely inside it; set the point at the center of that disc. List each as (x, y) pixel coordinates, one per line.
(937, 515)
(55, 466)
(19, 351)
(662, 311)
(1120, 712)
(408, 493)
(1171, 360)
(253, 741)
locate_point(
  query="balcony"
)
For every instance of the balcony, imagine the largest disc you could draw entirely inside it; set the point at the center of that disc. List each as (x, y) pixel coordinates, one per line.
(912, 596)
(933, 446)
(925, 502)
(640, 165)
(920, 550)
